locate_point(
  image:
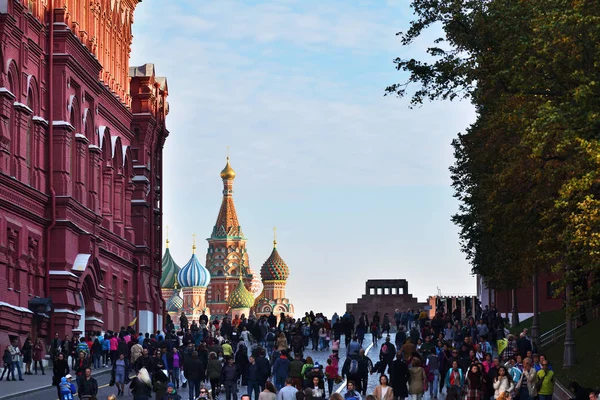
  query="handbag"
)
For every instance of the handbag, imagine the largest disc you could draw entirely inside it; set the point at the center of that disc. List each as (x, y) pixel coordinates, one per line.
(538, 384)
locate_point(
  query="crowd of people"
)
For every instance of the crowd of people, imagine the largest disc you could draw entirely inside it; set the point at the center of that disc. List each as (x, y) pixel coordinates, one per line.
(465, 359)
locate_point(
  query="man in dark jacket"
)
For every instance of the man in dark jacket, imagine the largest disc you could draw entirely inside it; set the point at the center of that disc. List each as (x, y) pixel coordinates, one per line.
(264, 369)
(523, 345)
(253, 378)
(229, 376)
(88, 385)
(399, 376)
(296, 370)
(386, 355)
(194, 372)
(365, 365)
(144, 361)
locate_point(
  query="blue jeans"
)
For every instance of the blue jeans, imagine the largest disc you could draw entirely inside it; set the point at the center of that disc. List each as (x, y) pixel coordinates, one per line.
(97, 359)
(433, 387)
(16, 364)
(253, 386)
(523, 393)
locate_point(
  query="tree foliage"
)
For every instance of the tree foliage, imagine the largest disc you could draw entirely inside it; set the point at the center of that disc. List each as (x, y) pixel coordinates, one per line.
(527, 171)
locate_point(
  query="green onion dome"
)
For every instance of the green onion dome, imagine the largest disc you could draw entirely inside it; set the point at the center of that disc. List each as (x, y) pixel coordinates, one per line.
(240, 297)
(170, 269)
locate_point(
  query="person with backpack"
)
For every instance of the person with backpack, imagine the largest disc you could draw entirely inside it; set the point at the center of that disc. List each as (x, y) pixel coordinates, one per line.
(386, 355)
(351, 369)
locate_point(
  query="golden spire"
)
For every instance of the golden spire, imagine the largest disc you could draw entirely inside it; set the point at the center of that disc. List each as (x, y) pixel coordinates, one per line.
(193, 243)
(176, 284)
(228, 173)
(167, 228)
(274, 236)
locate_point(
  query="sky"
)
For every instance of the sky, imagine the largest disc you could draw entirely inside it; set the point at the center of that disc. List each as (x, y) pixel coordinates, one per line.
(356, 183)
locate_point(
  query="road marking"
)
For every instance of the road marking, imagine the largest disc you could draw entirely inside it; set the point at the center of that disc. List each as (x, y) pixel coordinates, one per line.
(343, 385)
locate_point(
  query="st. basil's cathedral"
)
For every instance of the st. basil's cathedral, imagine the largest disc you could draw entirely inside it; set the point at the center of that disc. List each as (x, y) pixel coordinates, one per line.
(227, 285)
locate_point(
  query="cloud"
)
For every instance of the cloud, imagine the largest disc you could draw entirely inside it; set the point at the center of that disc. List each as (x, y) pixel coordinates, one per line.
(296, 89)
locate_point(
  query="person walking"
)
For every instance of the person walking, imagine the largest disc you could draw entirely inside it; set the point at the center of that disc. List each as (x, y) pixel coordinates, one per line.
(88, 389)
(399, 377)
(474, 385)
(504, 383)
(7, 360)
(288, 392)
(38, 355)
(214, 373)
(386, 355)
(417, 383)
(60, 369)
(27, 353)
(383, 391)
(545, 382)
(119, 374)
(270, 393)
(253, 378)
(15, 354)
(141, 385)
(230, 374)
(526, 387)
(193, 369)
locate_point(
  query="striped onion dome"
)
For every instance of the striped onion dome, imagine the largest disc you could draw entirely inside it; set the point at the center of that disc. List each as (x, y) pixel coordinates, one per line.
(240, 297)
(193, 274)
(175, 303)
(274, 269)
(170, 269)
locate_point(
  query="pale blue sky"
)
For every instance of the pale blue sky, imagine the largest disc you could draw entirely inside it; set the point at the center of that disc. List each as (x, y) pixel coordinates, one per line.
(356, 183)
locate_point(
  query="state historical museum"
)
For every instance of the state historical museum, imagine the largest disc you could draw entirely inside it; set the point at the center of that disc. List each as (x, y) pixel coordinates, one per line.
(81, 144)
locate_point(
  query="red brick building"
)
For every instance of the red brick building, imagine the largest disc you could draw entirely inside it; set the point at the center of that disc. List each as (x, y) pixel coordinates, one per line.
(81, 139)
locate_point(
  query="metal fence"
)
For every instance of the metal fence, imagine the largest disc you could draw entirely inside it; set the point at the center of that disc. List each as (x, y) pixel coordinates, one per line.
(556, 334)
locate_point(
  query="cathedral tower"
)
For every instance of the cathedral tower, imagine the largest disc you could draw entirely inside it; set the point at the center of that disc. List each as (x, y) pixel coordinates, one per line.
(226, 257)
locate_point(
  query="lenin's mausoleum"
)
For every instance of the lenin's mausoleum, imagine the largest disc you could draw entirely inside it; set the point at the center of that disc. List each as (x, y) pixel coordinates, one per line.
(81, 144)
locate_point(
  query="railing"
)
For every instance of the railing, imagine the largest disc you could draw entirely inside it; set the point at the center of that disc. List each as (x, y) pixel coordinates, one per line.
(554, 335)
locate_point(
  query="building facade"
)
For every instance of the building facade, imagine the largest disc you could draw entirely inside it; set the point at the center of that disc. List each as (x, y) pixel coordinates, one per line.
(81, 144)
(385, 296)
(522, 298)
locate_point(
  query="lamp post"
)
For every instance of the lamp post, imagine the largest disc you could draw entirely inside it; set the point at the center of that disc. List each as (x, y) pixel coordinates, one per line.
(569, 352)
(535, 327)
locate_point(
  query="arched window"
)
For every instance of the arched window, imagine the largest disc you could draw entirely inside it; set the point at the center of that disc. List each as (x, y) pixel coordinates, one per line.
(9, 124)
(29, 134)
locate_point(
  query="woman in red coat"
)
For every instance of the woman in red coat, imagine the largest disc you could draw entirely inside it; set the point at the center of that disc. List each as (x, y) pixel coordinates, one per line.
(39, 354)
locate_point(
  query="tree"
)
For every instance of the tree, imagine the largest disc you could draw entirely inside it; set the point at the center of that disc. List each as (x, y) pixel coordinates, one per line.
(526, 170)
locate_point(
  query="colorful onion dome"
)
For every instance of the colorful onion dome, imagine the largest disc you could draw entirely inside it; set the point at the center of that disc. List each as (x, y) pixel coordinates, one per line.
(228, 173)
(240, 297)
(256, 287)
(170, 269)
(274, 269)
(174, 303)
(193, 274)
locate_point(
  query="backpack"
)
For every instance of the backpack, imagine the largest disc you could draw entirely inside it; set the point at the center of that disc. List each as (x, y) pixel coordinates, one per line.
(353, 370)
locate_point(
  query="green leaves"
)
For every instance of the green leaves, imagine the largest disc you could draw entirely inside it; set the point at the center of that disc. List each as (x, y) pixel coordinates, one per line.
(526, 170)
